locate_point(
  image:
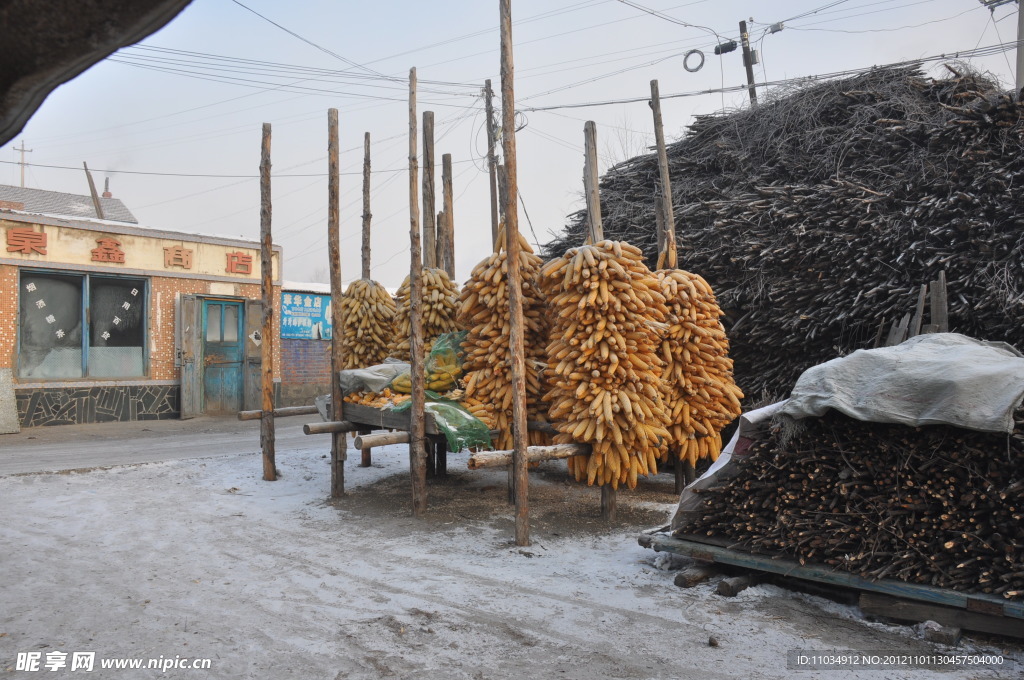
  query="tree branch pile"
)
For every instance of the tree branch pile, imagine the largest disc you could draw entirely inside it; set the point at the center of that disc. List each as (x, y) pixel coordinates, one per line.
(935, 505)
(817, 216)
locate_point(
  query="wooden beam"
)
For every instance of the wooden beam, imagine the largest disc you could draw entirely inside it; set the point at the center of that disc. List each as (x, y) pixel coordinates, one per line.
(279, 412)
(667, 235)
(267, 289)
(875, 604)
(534, 454)
(429, 225)
(609, 502)
(330, 427)
(417, 441)
(369, 441)
(367, 215)
(827, 574)
(339, 444)
(515, 281)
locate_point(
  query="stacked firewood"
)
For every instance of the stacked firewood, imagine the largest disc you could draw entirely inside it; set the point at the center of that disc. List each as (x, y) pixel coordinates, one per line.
(935, 505)
(819, 214)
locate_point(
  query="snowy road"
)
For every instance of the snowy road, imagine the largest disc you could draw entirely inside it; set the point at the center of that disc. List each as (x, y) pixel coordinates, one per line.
(199, 558)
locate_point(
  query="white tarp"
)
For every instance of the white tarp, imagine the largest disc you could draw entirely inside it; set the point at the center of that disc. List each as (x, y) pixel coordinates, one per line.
(938, 378)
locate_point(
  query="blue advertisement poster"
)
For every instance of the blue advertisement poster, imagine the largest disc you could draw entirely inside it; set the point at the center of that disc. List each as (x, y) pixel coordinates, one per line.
(305, 316)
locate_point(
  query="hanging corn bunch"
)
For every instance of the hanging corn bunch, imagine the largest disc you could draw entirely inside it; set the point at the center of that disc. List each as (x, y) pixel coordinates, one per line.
(487, 357)
(608, 315)
(368, 311)
(699, 390)
(440, 306)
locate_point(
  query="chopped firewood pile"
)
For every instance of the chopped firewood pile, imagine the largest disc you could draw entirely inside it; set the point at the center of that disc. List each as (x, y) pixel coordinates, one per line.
(935, 505)
(817, 216)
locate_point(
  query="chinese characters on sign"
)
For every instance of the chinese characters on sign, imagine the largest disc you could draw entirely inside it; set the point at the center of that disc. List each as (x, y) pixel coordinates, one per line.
(107, 250)
(305, 316)
(176, 256)
(239, 263)
(25, 240)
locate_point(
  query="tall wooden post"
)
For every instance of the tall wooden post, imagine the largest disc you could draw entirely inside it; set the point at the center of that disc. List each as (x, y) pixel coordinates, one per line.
(417, 430)
(429, 227)
(667, 235)
(595, 233)
(515, 280)
(267, 288)
(492, 169)
(339, 442)
(446, 260)
(591, 182)
(367, 215)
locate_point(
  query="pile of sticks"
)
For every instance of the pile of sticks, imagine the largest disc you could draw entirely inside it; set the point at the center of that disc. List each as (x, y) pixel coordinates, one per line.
(935, 505)
(817, 216)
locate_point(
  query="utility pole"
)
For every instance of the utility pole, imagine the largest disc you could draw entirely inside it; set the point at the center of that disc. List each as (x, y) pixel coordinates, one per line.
(23, 150)
(1020, 52)
(492, 170)
(748, 62)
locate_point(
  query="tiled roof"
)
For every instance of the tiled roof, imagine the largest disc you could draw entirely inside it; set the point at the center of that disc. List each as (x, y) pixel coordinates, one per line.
(60, 204)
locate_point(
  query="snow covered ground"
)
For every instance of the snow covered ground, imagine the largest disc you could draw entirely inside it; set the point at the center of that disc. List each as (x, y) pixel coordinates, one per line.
(198, 558)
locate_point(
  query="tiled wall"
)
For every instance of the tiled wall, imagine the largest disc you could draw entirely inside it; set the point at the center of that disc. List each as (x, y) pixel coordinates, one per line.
(8, 314)
(77, 405)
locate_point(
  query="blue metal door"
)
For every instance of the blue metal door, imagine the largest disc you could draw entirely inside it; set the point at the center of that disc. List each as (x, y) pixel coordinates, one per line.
(222, 356)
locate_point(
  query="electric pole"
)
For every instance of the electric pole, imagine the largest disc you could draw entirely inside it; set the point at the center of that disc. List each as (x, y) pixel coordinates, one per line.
(23, 151)
(748, 62)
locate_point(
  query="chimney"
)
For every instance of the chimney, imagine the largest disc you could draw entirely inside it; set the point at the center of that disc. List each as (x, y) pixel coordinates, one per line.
(106, 188)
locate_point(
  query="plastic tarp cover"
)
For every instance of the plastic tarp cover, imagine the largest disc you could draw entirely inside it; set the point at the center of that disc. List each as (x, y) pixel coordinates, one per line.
(938, 378)
(372, 378)
(460, 427)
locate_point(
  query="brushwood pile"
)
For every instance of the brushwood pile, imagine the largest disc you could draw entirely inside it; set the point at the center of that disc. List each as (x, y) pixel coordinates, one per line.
(818, 215)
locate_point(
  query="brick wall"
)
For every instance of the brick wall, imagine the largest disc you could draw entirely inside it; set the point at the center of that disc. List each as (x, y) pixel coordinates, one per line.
(8, 314)
(305, 370)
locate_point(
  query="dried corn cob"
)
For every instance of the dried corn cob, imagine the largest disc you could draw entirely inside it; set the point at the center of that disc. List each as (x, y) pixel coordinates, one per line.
(440, 306)
(699, 389)
(608, 313)
(484, 312)
(368, 314)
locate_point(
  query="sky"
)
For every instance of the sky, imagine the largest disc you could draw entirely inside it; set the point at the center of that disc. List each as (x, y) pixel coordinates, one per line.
(175, 121)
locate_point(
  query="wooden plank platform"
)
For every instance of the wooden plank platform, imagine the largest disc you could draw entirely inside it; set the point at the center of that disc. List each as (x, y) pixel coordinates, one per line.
(384, 419)
(1011, 611)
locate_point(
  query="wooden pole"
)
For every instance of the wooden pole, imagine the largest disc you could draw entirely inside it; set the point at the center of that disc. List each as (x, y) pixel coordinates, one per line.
(447, 241)
(667, 235)
(534, 454)
(279, 412)
(367, 215)
(369, 441)
(515, 280)
(492, 169)
(339, 442)
(329, 427)
(429, 226)
(591, 186)
(267, 288)
(591, 182)
(88, 175)
(417, 434)
(502, 193)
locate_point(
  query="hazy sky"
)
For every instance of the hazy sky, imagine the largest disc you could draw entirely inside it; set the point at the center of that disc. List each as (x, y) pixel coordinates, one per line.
(175, 121)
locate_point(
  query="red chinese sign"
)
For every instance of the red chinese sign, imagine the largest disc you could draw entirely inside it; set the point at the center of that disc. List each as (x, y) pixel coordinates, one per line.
(25, 240)
(239, 263)
(107, 250)
(177, 256)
